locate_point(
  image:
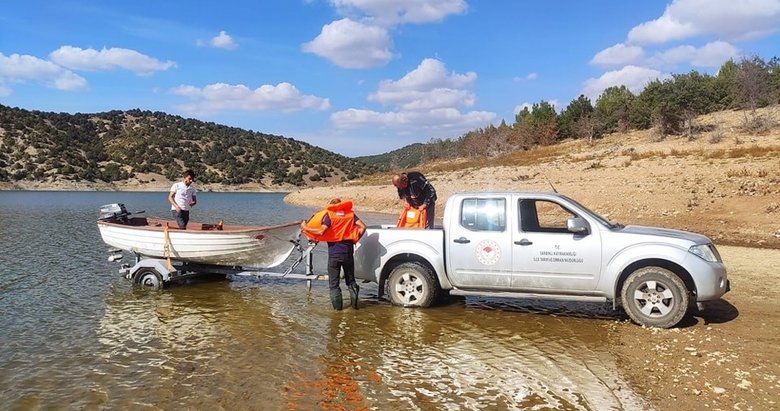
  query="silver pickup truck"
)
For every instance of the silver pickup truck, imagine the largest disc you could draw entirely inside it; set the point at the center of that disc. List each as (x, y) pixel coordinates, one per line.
(545, 246)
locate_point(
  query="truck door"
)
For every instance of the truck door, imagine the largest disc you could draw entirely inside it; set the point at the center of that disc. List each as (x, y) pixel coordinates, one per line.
(479, 244)
(547, 255)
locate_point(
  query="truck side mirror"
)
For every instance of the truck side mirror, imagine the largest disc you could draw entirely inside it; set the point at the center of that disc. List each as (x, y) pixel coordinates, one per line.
(577, 225)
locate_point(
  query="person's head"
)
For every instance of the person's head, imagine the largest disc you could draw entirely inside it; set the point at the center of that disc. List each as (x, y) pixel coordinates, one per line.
(400, 180)
(334, 201)
(188, 177)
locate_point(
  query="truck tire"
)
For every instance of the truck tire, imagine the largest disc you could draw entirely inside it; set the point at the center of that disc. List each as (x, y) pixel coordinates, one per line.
(655, 297)
(148, 278)
(412, 285)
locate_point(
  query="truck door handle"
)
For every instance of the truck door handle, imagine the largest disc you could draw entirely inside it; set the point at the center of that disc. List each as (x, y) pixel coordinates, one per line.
(523, 242)
(462, 240)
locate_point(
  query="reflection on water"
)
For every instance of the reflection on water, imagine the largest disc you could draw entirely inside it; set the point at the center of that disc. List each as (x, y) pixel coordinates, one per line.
(77, 335)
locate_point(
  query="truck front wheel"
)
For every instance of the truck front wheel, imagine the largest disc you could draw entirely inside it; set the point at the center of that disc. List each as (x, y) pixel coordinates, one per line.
(655, 297)
(412, 285)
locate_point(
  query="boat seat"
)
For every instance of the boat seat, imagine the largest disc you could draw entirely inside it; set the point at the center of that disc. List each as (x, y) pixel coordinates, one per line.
(211, 227)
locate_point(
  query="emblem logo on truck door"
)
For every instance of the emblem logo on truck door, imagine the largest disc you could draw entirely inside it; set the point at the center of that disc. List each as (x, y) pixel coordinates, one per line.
(488, 252)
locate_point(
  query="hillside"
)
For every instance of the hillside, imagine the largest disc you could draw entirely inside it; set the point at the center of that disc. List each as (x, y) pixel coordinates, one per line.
(722, 182)
(408, 156)
(131, 149)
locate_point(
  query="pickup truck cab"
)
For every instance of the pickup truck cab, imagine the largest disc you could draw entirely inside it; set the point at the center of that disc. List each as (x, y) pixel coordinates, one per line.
(544, 246)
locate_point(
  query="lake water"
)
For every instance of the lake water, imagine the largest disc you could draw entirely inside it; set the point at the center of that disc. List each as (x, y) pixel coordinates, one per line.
(77, 335)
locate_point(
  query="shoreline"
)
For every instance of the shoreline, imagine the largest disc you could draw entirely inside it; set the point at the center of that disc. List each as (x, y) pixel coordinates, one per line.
(161, 188)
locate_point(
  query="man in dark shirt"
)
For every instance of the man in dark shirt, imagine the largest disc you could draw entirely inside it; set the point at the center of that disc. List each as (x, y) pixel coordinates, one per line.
(415, 189)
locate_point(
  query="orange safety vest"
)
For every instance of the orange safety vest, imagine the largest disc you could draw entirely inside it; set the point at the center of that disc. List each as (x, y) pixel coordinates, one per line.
(412, 218)
(342, 224)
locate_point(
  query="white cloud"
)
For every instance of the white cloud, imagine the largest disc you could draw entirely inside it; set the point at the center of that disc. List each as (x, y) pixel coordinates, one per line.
(76, 58)
(220, 97)
(350, 44)
(19, 68)
(427, 99)
(426, 87)
(710, 55)
(633, 77)
(731, 19)
(223, 41)
(441, 122)
(384, 12)
(618, 55)
(528, 77)
(361, 40)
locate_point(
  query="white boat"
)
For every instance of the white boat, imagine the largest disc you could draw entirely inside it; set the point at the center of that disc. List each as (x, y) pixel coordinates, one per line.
(214, 244)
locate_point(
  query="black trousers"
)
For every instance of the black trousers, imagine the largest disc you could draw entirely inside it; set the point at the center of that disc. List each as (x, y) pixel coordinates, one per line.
(430, 212)
(182, 217)
(337, 262)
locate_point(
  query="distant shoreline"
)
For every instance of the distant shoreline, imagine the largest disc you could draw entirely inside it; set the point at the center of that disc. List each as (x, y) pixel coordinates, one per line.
(161, 188)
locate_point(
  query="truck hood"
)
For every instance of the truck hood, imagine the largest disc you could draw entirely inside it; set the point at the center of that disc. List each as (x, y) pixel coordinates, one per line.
(664, 232)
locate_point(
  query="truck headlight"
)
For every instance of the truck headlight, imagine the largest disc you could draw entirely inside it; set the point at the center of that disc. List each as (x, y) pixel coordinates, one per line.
(706, 252)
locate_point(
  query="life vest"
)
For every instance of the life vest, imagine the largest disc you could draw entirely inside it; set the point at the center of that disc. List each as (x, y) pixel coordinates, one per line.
(412, 218)
(342, 224)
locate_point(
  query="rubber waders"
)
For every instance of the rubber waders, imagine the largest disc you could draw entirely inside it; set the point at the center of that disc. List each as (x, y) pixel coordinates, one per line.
(335, 299)
(353, 295)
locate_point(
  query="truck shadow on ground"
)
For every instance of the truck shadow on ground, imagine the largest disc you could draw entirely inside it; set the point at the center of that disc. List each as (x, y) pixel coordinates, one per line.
(715, 312)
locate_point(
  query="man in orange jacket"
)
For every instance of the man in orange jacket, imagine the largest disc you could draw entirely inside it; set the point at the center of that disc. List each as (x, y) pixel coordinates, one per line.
(341, 229)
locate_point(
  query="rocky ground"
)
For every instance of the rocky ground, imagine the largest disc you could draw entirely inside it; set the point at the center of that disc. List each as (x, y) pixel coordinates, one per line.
(724, 358)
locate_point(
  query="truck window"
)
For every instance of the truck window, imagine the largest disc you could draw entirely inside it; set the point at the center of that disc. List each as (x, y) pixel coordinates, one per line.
(483, 214)
(543, 216)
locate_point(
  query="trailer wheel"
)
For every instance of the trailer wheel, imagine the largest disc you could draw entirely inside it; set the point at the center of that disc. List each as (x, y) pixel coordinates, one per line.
(655, 297)
(148, 278)
(412, 285)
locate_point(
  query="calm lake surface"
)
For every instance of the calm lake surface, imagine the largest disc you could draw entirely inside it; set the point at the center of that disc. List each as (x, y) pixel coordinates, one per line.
(77, 335)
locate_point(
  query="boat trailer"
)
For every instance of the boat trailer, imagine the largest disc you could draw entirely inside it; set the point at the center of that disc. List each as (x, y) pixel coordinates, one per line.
(154, 273)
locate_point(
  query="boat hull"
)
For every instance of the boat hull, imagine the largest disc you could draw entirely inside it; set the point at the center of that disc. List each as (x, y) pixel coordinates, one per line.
(235, 246)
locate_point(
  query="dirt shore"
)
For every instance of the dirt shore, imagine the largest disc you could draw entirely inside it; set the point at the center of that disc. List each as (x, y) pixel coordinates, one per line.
(724, 358)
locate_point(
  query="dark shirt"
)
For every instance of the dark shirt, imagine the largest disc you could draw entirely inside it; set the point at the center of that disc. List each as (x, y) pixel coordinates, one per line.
(339, 247)
(418, 191)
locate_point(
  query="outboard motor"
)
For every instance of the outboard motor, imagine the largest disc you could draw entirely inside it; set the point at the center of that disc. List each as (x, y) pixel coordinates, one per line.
(116, 212)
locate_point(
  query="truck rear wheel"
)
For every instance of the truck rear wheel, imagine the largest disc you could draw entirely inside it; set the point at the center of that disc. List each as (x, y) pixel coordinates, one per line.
(412, 285)
(655, 297)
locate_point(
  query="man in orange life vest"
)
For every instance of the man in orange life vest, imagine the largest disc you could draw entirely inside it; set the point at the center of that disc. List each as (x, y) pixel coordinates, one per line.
(341, 229)
(417, 192)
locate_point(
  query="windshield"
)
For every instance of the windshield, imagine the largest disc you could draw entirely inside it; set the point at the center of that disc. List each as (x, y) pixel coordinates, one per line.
(593, 214)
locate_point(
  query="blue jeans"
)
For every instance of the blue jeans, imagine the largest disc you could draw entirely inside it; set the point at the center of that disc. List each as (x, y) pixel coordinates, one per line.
(182, 218)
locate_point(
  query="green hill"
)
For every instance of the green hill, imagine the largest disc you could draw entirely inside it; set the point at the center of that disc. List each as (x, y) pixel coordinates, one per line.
(405, 157)
(120, 145)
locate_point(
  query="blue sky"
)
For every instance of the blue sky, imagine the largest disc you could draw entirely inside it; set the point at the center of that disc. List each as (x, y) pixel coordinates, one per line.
(360, 77)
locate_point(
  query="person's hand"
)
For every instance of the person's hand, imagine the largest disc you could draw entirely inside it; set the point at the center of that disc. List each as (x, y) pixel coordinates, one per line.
(422, 207)
(303, 225)
(178, 209)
